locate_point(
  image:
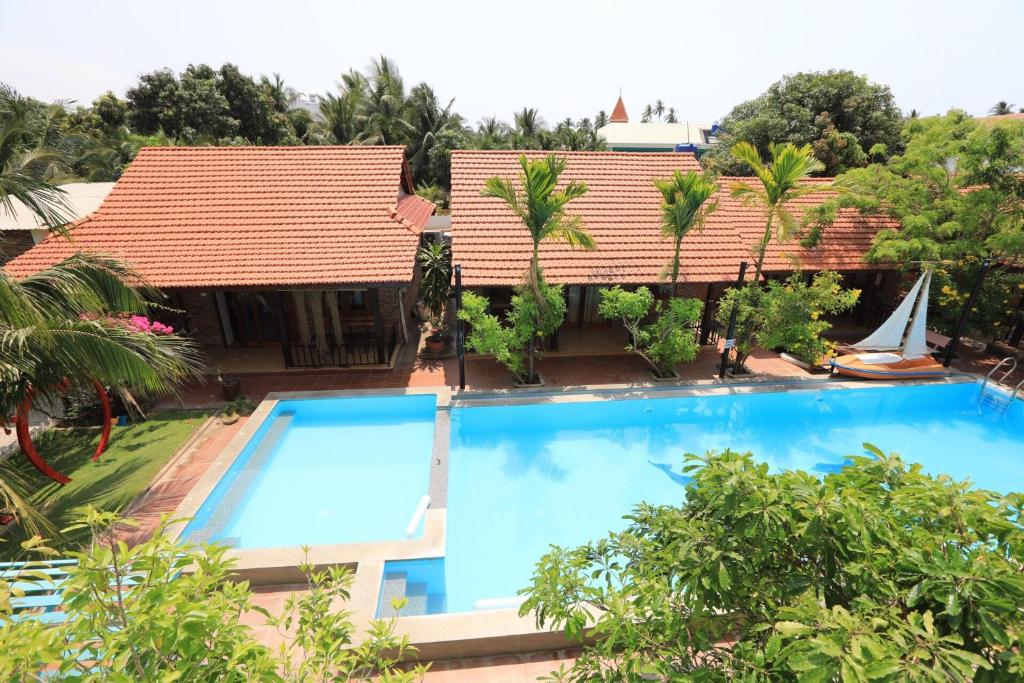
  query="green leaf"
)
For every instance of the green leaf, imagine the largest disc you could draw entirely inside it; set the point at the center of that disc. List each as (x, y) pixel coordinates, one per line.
(792, 628)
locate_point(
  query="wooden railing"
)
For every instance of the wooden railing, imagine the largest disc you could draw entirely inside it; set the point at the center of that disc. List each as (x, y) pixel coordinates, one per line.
(361, 345)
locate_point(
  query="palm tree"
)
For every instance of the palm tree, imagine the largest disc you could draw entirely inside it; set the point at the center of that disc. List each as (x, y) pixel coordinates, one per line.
(66, 326)
(28, 164)
(684, 207)
(781, 181)
(528, 129)
(380, 115)
(1001, 108)
(671, 118)
(492, 133)
(280, 94)
(542, 209)
(646, 116)
(428, 121)
(601, 120)
(659, 109)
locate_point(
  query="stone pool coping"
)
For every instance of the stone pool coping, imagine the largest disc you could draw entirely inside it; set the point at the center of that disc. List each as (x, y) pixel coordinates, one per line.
(443, 636)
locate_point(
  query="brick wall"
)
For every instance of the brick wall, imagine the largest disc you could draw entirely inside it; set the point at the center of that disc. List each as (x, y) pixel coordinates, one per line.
(14, 243)
(200, 319)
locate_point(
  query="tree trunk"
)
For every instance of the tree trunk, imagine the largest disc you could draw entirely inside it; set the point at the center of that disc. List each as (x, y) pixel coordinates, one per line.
(763, 248)
(675, 264)
(535, 284)
(530, 379)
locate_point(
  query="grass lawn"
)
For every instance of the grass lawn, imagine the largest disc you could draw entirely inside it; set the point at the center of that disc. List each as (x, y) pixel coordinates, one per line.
(133, 457)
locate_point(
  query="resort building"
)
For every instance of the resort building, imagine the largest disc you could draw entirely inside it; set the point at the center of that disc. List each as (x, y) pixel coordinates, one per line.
(621, 135)
(621, 211)
(21, 229)
(277, 256)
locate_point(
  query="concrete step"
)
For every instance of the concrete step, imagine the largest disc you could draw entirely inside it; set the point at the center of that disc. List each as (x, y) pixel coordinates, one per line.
(394, 586)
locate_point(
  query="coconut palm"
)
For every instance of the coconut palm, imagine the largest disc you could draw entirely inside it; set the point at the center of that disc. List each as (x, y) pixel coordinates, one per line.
(684, 206)
(648, 113)
(28, 165)
(671, 116)
(381, 113)
(429, 121)
(658, 109)
(601, 120)
(781, 181)
(1001, 108)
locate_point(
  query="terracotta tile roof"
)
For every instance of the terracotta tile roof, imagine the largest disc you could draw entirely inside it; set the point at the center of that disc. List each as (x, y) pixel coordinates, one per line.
(414, 212)
(621, 211)
(254, 216)
(619, 114)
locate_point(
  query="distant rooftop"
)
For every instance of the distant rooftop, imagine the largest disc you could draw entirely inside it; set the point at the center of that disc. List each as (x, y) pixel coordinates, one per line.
(622, 135)
(83, 198)
(1002, 118)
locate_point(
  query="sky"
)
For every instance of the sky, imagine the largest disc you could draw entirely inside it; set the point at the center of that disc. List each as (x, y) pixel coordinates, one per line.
(567, 59)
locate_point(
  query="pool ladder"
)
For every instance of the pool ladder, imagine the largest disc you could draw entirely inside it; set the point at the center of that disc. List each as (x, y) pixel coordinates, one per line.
(994, 398)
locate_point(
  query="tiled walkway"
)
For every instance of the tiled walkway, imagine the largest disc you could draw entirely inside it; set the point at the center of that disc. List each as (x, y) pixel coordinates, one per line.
(481, 374)
(177, 479)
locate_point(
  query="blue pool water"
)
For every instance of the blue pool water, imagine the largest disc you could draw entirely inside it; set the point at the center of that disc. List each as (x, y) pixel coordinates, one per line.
(524, 477)
(324, 471)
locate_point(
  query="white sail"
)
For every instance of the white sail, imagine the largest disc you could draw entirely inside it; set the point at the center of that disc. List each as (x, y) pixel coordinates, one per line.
(916, 344)
(889, 337)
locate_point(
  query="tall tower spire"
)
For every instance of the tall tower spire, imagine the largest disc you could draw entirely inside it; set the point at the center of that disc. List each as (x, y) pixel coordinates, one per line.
(619, 114)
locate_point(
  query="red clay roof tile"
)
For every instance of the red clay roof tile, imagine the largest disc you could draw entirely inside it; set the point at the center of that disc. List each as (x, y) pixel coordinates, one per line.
(621, 211)
(253, 216)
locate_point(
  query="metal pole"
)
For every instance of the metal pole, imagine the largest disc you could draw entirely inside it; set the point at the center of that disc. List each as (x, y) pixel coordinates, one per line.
(962, 322)
(730, 342)
(460, 328)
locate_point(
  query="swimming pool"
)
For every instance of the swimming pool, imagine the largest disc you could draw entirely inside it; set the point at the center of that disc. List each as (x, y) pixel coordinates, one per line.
(324, 471)
(524, 477)
(511, 480)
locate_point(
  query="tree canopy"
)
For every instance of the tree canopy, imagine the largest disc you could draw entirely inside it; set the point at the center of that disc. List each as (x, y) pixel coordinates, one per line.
(847, 119)
(958, 195)
(878, 572)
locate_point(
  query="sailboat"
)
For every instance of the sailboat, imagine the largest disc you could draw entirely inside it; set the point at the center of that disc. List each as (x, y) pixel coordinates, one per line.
(897, 349)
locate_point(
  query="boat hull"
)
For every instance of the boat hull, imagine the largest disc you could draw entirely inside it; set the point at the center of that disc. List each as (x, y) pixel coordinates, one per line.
(905, 368)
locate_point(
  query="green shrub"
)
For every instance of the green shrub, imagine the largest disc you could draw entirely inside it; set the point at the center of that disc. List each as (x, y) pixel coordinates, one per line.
(513, 343)
(876, 573)
(665, 342)
(785, 315)
(162, 611)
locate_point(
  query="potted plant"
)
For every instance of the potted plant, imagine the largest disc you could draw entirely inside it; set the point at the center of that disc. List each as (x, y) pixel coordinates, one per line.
(236, 409)
(230, 386)
(435, 261)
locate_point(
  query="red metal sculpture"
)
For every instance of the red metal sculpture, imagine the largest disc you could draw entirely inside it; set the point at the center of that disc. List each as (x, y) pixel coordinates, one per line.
(29, 449)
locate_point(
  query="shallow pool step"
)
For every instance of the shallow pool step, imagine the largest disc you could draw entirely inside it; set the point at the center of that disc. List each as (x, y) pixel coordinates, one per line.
(416, 596)
(393, 587)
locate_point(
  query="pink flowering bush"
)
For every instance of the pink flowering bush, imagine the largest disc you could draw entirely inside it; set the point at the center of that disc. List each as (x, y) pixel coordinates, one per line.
(137, 323)
(144, 324)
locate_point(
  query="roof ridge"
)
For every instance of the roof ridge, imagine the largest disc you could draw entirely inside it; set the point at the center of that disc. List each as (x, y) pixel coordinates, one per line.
(223, 148)
(570, 152)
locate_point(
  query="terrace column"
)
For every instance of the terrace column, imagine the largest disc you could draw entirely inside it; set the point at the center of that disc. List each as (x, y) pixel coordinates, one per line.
(705, 323)
(299, 299)
(373, 298)
(334, 306)
(316, 298)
